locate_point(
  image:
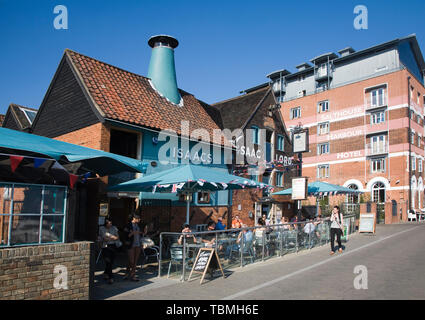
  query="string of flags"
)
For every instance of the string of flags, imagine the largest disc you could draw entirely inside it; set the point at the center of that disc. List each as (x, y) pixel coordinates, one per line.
(201, 182)
(16, 160)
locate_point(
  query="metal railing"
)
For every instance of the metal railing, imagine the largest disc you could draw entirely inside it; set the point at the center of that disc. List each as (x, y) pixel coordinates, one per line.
(240, 247)
(376, 148)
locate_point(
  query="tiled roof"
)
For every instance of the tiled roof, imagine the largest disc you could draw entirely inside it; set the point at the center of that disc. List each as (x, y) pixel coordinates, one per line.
(236, 111)
(129, 97)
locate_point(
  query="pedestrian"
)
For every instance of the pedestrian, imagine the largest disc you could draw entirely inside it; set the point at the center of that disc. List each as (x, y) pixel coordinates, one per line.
(110, 243)
(336, 229)
(134, 244)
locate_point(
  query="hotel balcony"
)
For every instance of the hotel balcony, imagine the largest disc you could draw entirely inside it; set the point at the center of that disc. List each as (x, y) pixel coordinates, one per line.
(376, 149)
(321, 74)
(279, 87)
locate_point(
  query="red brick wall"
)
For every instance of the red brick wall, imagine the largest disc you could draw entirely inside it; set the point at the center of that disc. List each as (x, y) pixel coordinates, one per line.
(28, 272)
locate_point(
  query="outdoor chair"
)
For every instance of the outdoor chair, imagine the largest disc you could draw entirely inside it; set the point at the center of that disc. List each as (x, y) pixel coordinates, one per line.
(260, 237)
(176, 257)
(248, 250)
(152, 252)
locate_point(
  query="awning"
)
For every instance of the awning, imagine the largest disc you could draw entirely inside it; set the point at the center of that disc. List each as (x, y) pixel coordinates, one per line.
(71, 156)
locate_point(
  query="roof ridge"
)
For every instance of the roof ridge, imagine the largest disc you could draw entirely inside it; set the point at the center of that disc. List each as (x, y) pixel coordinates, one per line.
(21, 106)
(121, 69)
(238, 97)
(108, 64)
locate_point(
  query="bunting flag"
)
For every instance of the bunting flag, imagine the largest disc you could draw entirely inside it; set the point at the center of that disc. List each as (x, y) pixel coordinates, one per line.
(15, 161)
(38, 162)
(214, 184)
(224, 185)
(201, 183)
(86, 176)
(174, 189)
(154, 188)
(73, 178)
(180, 185)
(326, 194)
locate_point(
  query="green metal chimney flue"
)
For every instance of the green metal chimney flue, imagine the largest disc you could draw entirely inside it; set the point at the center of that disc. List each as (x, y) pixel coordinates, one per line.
(162, 70)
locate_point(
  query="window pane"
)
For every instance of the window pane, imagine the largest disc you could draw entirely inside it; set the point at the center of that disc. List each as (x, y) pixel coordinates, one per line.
(52, 229)
(54, 200)
(5, 198)
(4, 229)
(25, 229)
(27, 199)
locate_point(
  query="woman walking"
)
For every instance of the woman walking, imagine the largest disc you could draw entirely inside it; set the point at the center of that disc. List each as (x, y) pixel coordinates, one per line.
(336, 229)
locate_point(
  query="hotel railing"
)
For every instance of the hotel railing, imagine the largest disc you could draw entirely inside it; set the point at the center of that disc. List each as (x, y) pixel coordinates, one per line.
(176, 259)
(376, 149)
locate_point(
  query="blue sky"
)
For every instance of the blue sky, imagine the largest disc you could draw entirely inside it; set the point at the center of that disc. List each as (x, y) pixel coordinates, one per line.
(225, 46)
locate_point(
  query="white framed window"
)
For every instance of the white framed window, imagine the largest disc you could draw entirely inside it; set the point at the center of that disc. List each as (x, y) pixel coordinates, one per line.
(419, 141)
(419, 165)
(279, 179)
(378, 192)
(378, 144)
(413, 163)
(280, 143)
(323, 106)
(412, 136)
(378, 165)
(323, 171)
(377, 97)
(377, 117)
(418, 100)
(323, 128)
(323, 148)
(295, 113)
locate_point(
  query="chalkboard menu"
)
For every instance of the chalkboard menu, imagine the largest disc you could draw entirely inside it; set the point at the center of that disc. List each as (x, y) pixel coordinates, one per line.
(367, 222)
(206, 258)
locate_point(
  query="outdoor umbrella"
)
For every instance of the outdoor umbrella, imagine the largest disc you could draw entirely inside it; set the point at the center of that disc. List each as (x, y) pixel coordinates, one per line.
(69, 155)
(319, 188)
(188, 179)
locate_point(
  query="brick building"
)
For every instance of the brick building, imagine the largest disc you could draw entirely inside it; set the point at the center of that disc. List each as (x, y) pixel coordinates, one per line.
(365, 115)
(256, 109)
(97, 105)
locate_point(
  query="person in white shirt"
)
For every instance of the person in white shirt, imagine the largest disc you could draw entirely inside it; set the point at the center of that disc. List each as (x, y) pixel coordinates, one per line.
(336, 229)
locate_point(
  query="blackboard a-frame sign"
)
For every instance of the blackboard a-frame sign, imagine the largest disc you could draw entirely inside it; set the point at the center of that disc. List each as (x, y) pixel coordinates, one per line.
(203, 260)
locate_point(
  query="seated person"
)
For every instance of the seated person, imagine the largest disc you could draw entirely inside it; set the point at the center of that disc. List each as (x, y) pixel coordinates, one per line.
(219, 225)
(247, 238)
(236, 223)
(190, 238)
(209, 238)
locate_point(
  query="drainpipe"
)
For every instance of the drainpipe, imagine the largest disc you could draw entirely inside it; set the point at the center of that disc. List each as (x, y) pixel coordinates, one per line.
(410, 144)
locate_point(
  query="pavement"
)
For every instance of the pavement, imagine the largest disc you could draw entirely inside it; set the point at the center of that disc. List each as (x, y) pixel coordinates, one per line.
(386, 265)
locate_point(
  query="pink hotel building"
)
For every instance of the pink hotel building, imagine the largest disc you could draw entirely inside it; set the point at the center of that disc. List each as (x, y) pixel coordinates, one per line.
(365, 115)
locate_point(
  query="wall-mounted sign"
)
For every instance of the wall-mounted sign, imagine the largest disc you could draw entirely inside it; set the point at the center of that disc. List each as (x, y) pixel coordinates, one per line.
(300, 141)
(299, 188)
(103, 209)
